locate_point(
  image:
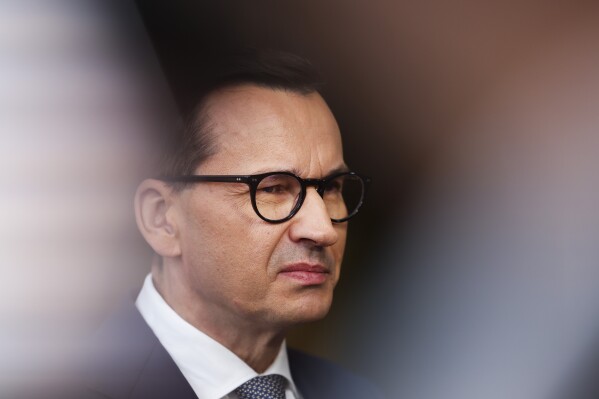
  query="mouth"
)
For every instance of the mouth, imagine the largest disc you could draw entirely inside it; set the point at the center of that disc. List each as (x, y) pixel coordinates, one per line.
(305, 273)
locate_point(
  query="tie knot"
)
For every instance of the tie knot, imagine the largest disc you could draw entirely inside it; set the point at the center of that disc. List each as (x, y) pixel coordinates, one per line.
(263, 387)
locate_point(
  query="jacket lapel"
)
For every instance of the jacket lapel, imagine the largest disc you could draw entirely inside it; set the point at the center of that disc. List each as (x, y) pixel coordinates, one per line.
(303, 376)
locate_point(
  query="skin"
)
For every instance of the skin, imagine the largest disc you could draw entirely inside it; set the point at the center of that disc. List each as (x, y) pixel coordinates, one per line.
(220, 263)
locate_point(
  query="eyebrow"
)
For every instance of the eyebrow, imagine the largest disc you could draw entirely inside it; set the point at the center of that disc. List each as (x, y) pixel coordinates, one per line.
(295, 171)
(340, 169)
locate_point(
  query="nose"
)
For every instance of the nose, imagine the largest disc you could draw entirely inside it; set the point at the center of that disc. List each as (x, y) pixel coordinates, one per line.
(312, 222)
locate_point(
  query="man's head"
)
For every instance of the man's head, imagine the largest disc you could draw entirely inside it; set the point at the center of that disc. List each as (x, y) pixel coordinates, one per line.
(221, 262)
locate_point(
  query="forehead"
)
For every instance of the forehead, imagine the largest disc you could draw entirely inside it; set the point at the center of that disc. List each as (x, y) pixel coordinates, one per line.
(259, 129)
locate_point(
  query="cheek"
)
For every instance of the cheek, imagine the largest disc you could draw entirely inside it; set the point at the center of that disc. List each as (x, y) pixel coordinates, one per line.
(249, 271)
(234, 251)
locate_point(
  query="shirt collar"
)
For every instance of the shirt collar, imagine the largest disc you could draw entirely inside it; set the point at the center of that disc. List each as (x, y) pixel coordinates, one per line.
(211, 369)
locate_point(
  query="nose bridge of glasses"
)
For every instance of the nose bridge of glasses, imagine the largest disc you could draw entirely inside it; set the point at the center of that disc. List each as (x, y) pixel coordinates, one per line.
(318, 184)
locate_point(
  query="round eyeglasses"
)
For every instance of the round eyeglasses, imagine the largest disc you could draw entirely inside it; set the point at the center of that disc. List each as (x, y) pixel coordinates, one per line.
(277, 196)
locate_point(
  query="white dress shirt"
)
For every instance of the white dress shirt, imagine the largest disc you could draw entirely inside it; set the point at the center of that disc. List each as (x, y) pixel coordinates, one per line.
(212, 370)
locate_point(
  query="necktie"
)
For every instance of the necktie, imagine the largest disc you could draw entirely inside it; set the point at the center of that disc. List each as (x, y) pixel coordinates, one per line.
(263, 387)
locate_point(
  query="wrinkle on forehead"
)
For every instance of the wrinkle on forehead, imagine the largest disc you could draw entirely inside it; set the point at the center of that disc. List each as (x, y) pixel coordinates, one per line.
(258, 128)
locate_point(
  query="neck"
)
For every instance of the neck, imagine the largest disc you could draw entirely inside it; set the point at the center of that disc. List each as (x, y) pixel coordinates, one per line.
(256, 345)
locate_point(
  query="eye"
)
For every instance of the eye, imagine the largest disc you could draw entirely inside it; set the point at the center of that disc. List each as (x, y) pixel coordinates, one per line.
(334, 186)
(274, 189)
(279, 185)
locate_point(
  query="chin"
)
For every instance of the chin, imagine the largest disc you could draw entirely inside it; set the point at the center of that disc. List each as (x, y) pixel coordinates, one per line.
(310, 308)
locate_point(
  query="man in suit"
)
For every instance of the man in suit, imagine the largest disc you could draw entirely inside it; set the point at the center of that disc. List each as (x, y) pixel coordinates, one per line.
(248, 220)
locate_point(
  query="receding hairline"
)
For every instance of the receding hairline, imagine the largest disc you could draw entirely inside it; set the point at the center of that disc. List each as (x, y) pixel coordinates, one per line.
(196, 140)
(203, 118)
(203, 106)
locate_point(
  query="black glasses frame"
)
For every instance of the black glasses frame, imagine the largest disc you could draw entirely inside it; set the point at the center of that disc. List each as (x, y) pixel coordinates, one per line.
(254, 180)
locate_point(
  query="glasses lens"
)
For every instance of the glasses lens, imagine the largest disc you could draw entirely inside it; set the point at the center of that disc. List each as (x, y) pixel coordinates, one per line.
(277, 195)
(343, 196)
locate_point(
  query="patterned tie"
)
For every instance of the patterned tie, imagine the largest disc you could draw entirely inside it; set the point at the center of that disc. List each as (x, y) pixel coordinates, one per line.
(263, 387)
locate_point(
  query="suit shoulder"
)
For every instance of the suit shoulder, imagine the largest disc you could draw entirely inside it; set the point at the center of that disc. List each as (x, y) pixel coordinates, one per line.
(125, 359)
(317, 377)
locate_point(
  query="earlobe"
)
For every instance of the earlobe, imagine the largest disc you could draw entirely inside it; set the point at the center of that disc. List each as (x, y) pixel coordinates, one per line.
(152, 206)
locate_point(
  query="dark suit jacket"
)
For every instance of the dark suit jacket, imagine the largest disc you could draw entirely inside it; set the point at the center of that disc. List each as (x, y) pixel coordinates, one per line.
(129, 362)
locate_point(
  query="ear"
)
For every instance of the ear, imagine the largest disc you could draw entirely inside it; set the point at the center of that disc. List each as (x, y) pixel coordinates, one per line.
(153, 201)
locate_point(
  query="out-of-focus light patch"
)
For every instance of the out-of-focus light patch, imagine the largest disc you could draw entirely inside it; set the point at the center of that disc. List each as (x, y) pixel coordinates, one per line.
(501, 298)
(78, 112)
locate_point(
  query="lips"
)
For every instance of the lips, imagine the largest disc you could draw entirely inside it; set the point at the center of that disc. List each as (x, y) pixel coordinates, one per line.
(306, 274)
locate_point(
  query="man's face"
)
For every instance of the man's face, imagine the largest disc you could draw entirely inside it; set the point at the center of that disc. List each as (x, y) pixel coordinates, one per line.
(236, 264)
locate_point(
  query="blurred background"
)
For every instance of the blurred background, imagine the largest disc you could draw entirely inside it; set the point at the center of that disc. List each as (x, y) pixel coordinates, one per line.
(473, 269)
